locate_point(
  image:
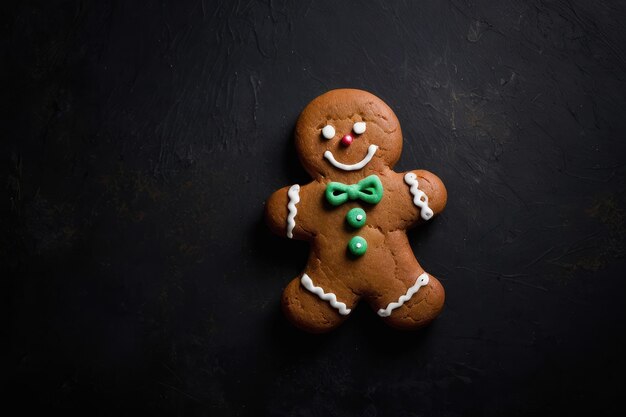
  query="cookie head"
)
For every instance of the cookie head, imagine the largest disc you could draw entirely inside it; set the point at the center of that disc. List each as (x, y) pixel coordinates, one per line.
(345, 131)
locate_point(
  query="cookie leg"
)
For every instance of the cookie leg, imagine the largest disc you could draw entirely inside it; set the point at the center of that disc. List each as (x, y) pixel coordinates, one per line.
(420, 303)
(315, 308)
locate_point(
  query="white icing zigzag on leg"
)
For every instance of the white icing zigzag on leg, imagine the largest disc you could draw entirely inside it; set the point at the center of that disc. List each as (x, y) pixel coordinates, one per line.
(419, 283)
(420, 199)
(294, 198)
(307, 282)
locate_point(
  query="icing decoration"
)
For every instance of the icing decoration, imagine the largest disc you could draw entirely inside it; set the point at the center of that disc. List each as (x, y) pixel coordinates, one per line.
(346, 140)
(294, 198)
(420, 199)
(307, 283)
(357, 246)
(356, 218)
(369, 190)
(359, 127)
(328, 132)
(419, 283)
(352, 167)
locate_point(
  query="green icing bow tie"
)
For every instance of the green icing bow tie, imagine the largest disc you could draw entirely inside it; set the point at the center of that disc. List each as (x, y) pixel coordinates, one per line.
(369, 190)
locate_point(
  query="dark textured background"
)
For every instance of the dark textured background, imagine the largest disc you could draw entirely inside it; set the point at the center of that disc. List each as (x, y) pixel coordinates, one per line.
(140, 139)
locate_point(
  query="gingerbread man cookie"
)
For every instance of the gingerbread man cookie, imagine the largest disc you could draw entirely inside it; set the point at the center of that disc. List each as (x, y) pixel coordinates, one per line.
(355, 214)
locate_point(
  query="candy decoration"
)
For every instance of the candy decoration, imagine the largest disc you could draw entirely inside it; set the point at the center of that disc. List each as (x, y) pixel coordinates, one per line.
(347, 140)
(356, 218)
(357, 246)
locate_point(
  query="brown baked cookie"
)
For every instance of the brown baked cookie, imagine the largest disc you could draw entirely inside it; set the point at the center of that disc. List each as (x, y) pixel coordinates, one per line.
(355, 214)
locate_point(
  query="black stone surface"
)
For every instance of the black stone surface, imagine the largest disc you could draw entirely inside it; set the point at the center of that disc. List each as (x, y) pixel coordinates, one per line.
(140, 140)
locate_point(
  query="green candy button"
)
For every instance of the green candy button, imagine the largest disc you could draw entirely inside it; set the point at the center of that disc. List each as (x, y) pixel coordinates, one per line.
(356, 218)
(357, 246)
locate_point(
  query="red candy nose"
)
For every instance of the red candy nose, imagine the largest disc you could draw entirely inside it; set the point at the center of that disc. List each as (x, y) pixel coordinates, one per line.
(346, 140)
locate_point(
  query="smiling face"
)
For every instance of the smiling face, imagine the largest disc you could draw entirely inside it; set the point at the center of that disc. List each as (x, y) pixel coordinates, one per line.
(347, 132)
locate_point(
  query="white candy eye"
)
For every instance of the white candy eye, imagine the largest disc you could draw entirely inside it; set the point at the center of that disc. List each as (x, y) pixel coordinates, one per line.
(359, 127)
(328, 132)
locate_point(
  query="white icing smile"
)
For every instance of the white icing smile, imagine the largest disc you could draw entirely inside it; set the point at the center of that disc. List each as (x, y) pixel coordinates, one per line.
(352, 167)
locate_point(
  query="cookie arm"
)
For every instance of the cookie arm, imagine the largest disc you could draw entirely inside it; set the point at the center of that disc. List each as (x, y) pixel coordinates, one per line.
(428, 193)
(283, 212)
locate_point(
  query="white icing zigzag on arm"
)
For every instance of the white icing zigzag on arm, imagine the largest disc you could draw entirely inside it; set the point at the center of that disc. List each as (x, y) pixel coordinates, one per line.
(419, 283)
(307, 282)
(420, 199)
(294, 198)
